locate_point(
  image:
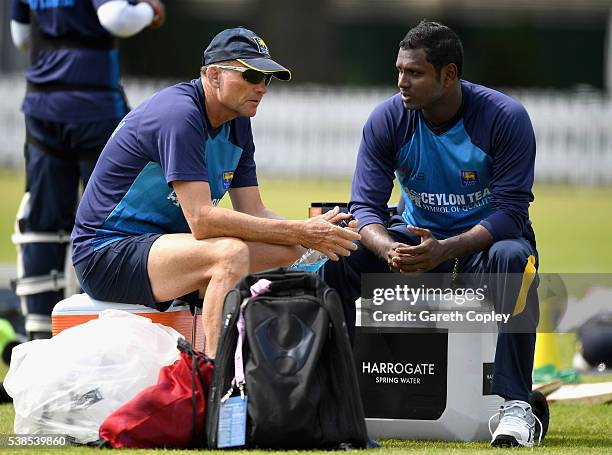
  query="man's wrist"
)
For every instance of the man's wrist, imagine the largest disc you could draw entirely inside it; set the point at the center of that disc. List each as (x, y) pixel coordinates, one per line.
(295, 232)
(383, 249)
(448, 249)
(472, 241)
(376, 239)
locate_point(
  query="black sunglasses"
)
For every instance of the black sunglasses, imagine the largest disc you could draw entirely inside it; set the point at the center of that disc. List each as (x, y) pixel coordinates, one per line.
(250, 75)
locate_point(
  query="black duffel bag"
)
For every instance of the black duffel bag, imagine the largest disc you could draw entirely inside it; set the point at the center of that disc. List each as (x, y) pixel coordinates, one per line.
(299, 386)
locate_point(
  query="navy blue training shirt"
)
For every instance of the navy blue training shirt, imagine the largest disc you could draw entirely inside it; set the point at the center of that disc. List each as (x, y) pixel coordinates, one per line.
(477, 170)
(166, 138)
(75, 21)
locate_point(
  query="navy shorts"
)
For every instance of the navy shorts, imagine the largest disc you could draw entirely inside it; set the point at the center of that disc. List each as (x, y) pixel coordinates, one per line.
(118, 273)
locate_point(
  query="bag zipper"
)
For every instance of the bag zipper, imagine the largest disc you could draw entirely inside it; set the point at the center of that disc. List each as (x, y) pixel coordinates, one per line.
(227, 332)
(352, 392)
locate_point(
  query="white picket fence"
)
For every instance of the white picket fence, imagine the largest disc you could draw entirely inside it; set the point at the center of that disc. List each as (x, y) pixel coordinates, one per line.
(311, 131)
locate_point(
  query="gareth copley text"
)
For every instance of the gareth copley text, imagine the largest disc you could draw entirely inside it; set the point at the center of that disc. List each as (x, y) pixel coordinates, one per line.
(447, 316)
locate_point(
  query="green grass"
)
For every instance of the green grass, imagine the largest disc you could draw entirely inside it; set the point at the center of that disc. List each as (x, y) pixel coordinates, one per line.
(11, 189)
(573, 225)
(573, 429)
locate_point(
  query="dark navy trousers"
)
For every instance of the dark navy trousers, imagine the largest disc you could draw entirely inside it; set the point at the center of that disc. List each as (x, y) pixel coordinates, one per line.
(501, 266)
(58, 157)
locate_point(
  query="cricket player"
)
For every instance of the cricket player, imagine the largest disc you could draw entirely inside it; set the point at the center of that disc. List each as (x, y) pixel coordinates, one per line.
(148, 229)
(72, 104)
(464, 157)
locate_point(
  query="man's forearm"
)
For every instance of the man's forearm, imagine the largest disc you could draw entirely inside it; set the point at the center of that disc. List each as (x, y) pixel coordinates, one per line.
(221, 222)
(376, 238)
(269, 214)
(472, 241)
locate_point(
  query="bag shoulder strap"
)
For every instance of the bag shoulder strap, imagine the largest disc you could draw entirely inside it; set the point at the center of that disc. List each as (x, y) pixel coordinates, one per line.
(187, 348)
(331, 302)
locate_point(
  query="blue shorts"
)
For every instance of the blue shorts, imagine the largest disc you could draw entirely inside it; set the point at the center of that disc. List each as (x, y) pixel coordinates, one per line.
(118, 273)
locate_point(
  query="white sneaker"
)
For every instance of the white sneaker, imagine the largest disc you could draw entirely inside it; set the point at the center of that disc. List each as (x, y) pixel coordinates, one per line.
(516, 425)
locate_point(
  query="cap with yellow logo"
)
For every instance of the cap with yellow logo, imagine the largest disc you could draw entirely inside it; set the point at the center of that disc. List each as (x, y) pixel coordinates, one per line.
(245, 46)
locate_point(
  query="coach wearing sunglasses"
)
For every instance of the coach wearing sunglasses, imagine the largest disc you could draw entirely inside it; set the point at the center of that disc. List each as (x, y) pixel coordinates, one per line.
(148, 229)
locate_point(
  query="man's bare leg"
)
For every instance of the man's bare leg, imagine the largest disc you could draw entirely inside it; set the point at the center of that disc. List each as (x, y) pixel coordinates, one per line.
(267, 256)
(179, 264)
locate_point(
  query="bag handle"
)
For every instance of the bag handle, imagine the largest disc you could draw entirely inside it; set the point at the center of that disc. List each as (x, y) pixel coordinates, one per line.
(281, 279)
(260, 287)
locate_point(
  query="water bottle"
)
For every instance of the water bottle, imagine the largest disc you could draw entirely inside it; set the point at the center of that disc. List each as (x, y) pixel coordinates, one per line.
(313, 260)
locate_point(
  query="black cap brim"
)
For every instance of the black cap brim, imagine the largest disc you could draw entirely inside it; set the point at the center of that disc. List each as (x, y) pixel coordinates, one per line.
(268, 66)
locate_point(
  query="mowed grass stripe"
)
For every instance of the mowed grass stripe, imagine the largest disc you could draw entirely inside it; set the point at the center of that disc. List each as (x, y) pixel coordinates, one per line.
(572, 224)
(573, 429)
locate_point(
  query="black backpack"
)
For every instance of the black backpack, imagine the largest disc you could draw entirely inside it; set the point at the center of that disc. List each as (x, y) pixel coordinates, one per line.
(301, 382)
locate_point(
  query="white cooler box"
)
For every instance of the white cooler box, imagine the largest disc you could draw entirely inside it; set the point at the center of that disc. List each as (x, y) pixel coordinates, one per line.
(425, 383)
(81, 308)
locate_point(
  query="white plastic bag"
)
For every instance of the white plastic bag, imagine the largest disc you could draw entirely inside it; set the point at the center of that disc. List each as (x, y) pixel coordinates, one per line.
(70, 383)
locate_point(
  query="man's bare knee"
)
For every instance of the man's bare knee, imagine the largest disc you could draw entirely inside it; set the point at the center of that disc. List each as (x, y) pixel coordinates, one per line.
(232, 257)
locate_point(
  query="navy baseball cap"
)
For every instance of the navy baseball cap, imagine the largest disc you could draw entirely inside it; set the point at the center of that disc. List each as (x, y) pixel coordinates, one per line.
(245, 46)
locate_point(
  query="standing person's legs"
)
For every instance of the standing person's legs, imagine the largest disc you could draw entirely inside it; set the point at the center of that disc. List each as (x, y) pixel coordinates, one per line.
(57, 154)
(51, 182)
(88, 140)
(509, 268)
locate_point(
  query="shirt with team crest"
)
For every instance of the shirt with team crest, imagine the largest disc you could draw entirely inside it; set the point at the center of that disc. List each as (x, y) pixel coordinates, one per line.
(478, 168)
(166, 138)
(91, 75)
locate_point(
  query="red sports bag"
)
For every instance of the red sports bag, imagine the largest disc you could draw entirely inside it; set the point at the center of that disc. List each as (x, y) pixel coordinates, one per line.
(170, 413)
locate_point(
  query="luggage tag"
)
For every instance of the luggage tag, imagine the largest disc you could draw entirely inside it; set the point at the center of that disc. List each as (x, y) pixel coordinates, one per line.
(232, 422)
(231, 431)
